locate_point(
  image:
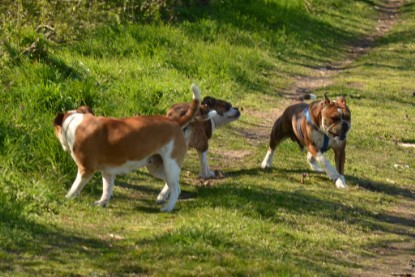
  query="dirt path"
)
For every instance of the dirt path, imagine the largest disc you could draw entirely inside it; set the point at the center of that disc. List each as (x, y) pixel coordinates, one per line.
(322, 76)
(394, 259)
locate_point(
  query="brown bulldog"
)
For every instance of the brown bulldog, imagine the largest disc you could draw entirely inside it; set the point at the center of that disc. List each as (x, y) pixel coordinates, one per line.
(320, 126)
(213, 113)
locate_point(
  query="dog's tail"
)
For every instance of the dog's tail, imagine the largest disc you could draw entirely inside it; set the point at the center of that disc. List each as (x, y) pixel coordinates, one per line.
(307, 96)
(194, 108)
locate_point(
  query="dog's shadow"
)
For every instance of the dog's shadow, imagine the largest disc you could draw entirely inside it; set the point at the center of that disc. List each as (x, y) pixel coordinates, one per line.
(139, 182)
(374, 186)
(388, 189)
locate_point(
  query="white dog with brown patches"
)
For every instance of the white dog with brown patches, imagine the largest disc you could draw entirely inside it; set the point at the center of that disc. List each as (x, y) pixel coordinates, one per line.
(114, 146)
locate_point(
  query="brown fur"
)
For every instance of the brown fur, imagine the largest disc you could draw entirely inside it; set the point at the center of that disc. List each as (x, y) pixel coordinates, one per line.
(115, 146)
(323, 114)
(201, 129)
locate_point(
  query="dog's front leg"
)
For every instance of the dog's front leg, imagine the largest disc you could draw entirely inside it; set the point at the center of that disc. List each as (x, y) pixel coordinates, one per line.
(313, 163)
(79, 183)
(204, 172)
(339, 180)
(340, 157)
(107, 184)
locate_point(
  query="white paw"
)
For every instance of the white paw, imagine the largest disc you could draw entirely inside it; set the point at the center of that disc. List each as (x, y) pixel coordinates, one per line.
(101, 203)
(341, 182)
(166, 209)
(207, 175)
(265, 164)
(161, 198)
(71, 195)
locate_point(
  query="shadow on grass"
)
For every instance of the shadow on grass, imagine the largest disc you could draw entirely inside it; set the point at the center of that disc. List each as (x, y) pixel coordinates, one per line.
(267, 201)
(388, 189)
(26, 246)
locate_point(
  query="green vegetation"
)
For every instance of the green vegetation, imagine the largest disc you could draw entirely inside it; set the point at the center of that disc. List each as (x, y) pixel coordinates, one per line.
(139, 57)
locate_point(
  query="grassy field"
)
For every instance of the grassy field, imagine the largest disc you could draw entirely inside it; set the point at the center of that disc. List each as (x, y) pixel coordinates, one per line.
(250, 223)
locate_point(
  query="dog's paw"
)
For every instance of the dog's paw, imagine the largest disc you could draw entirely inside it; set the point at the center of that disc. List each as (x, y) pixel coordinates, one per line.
(208, 174)
(265, 164)
(267, 161)
(101, 203)
(161, 198)
(166, 209)
(70, 195)
(341, 182)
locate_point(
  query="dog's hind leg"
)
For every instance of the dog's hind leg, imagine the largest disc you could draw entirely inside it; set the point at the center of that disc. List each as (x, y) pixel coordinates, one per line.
(107, 185)
(275, 138)
(172, 187)
(204, 172)
(156, 168)
(79, 183)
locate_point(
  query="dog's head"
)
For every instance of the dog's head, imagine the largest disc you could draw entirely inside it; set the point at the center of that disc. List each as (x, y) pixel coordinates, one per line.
(60, 119)
(336, 118)
(225, 113)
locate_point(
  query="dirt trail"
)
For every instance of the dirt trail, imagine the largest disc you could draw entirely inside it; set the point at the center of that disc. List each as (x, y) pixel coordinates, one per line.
(394, 259)
(323, 75)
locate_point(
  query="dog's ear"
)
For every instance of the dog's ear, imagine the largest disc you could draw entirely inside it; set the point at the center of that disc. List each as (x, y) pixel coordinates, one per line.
(341, 101)
(85, 110)
(326, 100)
(208, 101)
(58, 119)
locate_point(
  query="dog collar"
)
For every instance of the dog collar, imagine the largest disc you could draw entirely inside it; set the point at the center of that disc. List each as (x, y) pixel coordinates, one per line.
(306, 113)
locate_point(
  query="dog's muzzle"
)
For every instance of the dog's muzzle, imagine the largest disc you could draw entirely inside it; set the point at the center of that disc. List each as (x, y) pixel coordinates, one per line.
(234, 113)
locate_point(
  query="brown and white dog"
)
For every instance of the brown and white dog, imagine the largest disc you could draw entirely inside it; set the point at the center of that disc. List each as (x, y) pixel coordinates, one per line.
(320, 126)
(201, 131)
(114, 146)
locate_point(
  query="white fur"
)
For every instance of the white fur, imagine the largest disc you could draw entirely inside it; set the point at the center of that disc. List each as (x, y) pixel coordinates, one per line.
(67, 137)
(107, 185)
(170, 172)
(313, 163)
(196, 92)
(126, 167)
(216, 122)
(267, 162)
(219, 120)
(318, 139)
(205, 172)
(339, 180)
(78, 185)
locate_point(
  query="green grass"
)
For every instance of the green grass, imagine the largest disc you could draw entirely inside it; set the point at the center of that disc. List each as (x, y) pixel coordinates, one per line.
(252, 222)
